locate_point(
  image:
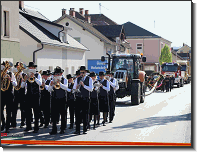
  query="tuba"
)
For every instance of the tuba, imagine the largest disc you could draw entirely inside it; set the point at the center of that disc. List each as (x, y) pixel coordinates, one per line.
(5, 82)
(18, 76)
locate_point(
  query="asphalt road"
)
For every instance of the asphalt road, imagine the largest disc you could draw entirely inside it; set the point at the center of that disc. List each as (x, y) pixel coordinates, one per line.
(163, 117)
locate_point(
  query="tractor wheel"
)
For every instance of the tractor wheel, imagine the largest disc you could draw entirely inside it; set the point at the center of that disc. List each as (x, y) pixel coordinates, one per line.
(142, 89)
(178, 85)
(135, 99)
(181, 83)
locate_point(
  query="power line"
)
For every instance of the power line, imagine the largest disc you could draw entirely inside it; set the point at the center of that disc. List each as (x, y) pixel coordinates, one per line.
(32, 7)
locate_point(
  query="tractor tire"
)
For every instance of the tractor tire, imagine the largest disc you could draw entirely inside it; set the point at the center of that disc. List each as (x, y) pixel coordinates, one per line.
(178, 85)
(181, 85)
(142, 97)
(135, 99)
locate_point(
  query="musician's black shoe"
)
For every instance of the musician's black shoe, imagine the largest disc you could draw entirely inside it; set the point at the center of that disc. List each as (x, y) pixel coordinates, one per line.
(77, 132)
(94, 126)
(84, 132)
(110, 121)
(46, 126)
(71, 127)
(28, 129)
(22, 123)
(7, 131)
(2, 128)
(35, 131)
(103, 123)
(98, 124)
(62, 132)
(53, 132)
(41, 125)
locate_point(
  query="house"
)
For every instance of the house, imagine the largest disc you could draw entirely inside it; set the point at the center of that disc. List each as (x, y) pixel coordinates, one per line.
(175, 56)
(143, 41)
(85, 32)
(48, 44)
(10, 38)
(185, 52)
(115, 33)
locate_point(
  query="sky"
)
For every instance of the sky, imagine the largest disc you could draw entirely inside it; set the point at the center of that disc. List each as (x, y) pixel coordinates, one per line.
(172, 18)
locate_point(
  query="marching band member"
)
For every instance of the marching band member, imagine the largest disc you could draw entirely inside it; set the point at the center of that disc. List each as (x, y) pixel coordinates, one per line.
(85, 85)
(57, 87)
(7, 98)
(45, 97)
(70, 99)
(77, 75)
(111, 95)
(116, 88)
(94, 104)
(19, 97)
(103, 96)
(33, 81)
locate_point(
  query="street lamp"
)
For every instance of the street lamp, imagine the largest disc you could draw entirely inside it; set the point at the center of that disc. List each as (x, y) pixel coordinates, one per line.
(157, 66)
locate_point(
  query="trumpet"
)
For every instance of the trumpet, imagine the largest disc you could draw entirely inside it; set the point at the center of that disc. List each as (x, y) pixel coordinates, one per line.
(43, 84)
(79, 86)
(32, 79)
(56, 84)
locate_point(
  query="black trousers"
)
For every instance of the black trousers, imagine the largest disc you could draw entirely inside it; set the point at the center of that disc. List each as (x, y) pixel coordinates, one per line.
(18, 99)
(167, 87)
(82, 110)
(8, 102)
(111, 107)
(32, 102)
(45, 110)
(58, 106)
(71, 110)
(2, 113)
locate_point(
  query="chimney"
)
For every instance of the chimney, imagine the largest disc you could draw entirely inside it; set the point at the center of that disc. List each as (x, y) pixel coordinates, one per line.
(88, 18)
(81, 10)
(63, 11)
(72, 12)
(21, 4)
(86, 12)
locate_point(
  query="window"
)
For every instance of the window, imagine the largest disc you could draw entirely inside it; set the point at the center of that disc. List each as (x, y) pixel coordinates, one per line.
(139, 48)
(6, 23)
(66, 70)
(51, 68)
(161, 45)
(72, 70)
(78, 39)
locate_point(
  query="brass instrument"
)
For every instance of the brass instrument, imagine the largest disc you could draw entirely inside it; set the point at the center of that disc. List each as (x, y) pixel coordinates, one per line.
(5, 82)
(43, 85)
(78, 90)
(18, 76)
(32, 79)
(57, 84)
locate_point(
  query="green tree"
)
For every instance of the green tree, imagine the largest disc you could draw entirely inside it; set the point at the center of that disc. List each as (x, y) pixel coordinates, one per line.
(166, 55)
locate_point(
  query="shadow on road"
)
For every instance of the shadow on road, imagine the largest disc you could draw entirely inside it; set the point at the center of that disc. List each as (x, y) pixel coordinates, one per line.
(149, 122)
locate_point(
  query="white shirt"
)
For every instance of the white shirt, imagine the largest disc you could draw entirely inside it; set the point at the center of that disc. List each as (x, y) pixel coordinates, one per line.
(37, 80)
(113, 84)
(69, 90)
(117, 85)
(13, 79)
(62, 86)
(89, 88)
(108, 85)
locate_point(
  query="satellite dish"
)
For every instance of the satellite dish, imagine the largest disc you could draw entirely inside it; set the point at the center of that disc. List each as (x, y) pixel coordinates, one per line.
(67, 23)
